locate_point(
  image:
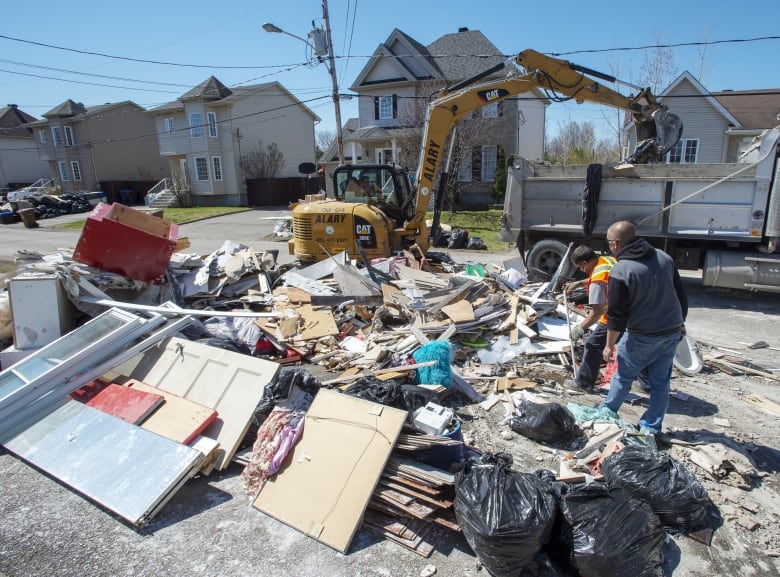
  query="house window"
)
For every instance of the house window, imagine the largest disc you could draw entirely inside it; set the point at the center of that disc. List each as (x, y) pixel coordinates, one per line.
(464, 168)
(42, 137)
(170, 125)
(686, 151)
(490, 110)
(216, 162)
(201, 169)
(385, 107)
(196, 125)
(74, 166)
(68, 136)
(489, 155)
(212, 121)
(62, 165)
(56, 135)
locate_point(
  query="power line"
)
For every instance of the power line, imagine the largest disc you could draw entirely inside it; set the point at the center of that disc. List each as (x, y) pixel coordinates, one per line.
(672, 45)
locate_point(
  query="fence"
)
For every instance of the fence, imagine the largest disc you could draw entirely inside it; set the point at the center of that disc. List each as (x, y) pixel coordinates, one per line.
(280, 191)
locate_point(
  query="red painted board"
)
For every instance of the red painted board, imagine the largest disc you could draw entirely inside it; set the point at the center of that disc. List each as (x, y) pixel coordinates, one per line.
(125, 241)
(128, 404)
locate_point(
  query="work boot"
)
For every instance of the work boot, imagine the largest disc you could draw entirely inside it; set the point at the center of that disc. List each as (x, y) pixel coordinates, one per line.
(572, 385)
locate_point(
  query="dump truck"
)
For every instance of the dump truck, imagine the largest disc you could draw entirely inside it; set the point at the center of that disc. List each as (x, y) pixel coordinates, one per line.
(386, 214)
(720, 218)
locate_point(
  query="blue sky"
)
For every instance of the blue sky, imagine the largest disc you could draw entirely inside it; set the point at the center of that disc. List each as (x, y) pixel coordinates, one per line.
(192, 40)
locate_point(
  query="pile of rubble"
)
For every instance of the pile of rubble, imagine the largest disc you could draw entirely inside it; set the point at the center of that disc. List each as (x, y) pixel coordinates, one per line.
(415, 344)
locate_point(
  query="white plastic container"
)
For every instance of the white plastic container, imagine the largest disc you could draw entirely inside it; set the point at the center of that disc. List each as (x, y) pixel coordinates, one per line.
(433, 419)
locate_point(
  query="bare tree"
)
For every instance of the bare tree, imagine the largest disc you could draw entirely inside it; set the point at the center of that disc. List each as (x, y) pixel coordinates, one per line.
(702, 66)
(263, 162)
(577, 144)
(324, 140)
(659, 65)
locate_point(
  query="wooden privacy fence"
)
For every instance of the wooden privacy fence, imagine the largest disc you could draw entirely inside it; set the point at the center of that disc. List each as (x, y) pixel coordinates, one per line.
(280, 191)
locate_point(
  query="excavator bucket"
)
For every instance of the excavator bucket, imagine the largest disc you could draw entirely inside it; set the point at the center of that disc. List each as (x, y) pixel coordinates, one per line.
(656, 136)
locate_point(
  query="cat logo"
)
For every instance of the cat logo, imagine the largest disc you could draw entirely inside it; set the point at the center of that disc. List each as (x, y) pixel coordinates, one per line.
(363, 229)
(492, 95)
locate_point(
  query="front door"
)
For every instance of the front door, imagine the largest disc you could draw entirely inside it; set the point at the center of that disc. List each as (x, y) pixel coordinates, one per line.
(384, 156)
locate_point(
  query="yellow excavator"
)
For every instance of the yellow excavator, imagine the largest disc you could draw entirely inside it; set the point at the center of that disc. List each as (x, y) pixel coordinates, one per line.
(377, 211)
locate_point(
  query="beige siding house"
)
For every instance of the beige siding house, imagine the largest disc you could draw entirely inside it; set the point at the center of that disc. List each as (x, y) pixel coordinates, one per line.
(112, 142)
(19, 161)
(717, 126)
(204, 134)
(393, 91)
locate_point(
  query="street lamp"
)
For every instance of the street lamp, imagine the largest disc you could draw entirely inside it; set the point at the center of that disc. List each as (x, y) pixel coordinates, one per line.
(321, 47)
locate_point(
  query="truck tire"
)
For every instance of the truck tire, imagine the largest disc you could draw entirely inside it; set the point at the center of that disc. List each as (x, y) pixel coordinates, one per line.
(544, 258)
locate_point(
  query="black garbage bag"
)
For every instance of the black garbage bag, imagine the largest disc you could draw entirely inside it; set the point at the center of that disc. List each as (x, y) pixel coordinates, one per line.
(506, 516)
(392, 394)
(280, 389)
(610, 533)
(545, 422)
(458, 238)
(671, 490)
(476, 243)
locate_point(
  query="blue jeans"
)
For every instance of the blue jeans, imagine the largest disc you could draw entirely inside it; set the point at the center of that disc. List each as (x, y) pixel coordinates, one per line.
(655, 355)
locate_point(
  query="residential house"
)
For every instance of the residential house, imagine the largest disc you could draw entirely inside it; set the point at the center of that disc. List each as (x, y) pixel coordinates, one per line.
(19, 162)
(207, 131)
(393, 92)
(89, 149)
(717, 126)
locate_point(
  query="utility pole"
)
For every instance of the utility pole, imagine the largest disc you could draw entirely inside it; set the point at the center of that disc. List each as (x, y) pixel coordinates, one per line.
(332, 67)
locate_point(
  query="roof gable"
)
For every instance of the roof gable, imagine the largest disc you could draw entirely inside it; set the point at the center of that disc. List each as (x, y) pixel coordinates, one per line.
(402, 53)
(13, 120)
(686, 78)
(67, 108)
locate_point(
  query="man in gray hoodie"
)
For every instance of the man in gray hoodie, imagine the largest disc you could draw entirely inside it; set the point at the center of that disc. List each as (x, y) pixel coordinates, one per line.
(647, 301)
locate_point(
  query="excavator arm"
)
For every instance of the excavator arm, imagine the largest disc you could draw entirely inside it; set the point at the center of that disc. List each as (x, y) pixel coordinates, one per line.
(657, 129)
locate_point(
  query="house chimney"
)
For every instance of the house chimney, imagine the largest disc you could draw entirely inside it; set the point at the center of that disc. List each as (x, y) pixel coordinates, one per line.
(463, 29)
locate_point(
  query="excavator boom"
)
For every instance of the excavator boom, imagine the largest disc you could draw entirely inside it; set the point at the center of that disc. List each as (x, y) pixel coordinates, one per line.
(658, 130)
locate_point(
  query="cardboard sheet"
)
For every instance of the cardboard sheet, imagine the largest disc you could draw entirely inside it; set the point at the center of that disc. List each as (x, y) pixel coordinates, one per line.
(325, 485)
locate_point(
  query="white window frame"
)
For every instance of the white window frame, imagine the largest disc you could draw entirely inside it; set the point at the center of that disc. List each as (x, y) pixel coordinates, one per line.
(386, 107)
(686, 151)
(216, 167)
(490, 110)
(62, 167)
(42, 137)
(68, 136)
(170, 124)
(211, 120)
(56, 136)
(196, 125)
(76, 169)
(489, 161)
(201, 163)
(465, 167)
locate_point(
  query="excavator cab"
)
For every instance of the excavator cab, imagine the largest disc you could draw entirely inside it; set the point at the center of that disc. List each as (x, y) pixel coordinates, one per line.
(383, 185)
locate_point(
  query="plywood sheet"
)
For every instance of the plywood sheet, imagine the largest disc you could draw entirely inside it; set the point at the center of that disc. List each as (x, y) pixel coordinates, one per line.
(179, 419)
(231, 383)
(334, 468)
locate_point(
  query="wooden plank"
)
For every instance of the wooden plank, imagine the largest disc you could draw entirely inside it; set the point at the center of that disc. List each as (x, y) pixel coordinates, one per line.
(179, 419)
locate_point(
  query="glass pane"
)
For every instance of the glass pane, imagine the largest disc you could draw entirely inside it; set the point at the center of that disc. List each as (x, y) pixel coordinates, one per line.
(74, 342)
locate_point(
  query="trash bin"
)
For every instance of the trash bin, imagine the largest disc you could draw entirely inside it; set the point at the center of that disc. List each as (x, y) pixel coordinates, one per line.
(28, 217)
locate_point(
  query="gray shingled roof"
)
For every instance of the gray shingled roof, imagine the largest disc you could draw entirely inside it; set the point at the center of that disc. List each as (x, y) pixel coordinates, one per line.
(210, 88)
(755, 109)
(422, 50)
(464, 54)
(67, 108)
(12, 121)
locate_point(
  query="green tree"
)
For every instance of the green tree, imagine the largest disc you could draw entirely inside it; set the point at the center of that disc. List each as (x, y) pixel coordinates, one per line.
(499, 184)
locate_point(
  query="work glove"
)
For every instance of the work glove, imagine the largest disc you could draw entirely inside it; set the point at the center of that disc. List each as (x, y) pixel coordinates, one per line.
(572, 286)
(576, 333)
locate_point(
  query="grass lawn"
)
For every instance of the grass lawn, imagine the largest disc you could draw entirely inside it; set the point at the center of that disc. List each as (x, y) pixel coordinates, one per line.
(481, 223)
(177, 215)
